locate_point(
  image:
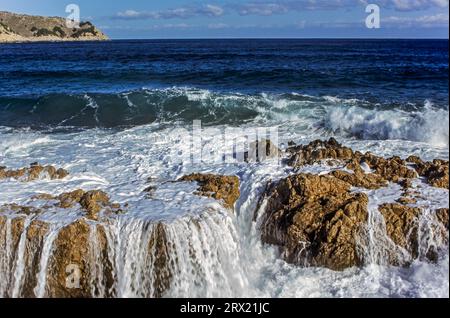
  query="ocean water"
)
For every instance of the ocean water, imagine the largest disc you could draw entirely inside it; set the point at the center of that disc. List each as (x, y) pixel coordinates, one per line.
(114, 115)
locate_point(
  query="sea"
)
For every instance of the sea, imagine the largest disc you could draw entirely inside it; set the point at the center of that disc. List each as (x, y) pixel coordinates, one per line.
(121, 115)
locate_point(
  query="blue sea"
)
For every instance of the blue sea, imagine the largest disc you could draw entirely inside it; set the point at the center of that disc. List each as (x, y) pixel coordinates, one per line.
(113, 114)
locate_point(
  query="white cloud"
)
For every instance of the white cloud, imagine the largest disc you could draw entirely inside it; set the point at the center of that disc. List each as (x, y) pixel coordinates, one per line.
(426, 21)
(208, 10)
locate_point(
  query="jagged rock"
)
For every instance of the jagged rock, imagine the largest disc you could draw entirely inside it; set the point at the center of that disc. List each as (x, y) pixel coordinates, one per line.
(402, 226)
(405, 200)
(360, 179)
(69, 274)
(92, 202)
(442, 216)
(435, 172)
(222, 188)
(393, 169)
(317, 151)
(315, 220)
(262, 150)
(27, 210)
(160, 247)
(35, 171)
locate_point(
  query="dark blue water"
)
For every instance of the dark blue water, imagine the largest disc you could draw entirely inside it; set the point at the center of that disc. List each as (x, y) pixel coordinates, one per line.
(41, 79)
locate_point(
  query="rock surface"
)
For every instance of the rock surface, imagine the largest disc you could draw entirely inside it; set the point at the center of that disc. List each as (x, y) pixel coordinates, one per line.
(315, 220)
(320, 220)
(33, 172)
(222, 188)
(91, 202)
(27, 28)
(392, 169)
(262, 150)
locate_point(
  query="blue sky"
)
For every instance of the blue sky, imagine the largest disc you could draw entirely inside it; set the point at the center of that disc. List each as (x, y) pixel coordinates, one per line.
(251, 18)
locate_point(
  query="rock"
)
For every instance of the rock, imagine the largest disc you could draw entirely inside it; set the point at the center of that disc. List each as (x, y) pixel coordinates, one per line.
(435, 172)
(80, 264)
(18, 209)
(393, 169)
(160, 248)
(360, 179)
(92, 202)
(69, 273)
(442, 216)
(315, 220)
(405, 200)
(34, 172)
(402, 225)
(317, 151)
(222, 188)
(262, 150)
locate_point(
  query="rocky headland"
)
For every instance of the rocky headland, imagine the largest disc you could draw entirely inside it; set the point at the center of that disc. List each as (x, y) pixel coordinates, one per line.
(26, 28)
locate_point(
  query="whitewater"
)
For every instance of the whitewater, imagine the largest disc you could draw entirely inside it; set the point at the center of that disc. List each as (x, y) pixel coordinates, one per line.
(124, 149)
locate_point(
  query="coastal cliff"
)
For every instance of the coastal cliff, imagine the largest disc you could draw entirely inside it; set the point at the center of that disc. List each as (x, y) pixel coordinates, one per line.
(26, 28)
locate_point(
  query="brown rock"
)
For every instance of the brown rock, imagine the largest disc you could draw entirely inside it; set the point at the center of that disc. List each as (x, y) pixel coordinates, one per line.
(402, 225)
(71, 259)
(93, 202)
(435, 172)
(35, 171)
(222, 188)
(262, 150)
(317, 151)
(442, 216)
(315, 220)
(393, 169)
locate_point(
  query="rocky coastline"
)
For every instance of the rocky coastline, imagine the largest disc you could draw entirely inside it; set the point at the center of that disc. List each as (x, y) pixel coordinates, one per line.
(315, 219)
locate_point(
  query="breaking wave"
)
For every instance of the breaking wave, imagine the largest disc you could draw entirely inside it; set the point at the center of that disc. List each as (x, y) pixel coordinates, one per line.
(327, 114)
(430, 124)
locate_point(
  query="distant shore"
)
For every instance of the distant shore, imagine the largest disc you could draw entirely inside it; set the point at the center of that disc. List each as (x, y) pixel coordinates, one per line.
(20, 28)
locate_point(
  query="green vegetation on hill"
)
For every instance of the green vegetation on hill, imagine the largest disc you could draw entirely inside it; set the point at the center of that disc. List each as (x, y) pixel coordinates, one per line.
(17, 27)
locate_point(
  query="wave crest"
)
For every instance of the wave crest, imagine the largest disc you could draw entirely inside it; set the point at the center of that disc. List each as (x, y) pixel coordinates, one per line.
(430, 124)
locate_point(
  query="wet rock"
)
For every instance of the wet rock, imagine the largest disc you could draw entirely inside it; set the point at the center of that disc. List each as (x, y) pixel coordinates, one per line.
(360, 179)
(92, 202)
(18, 209)
(406, 200)
(33, 172)
(69, 274)
(402, 225)
(262, 150)
(393, 169)
(435, 172)
(160, 247)
(442, 216)
(222, 188)
(315, 220)
(317, 151)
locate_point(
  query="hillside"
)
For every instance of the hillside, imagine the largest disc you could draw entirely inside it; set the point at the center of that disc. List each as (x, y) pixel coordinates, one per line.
(27, 28)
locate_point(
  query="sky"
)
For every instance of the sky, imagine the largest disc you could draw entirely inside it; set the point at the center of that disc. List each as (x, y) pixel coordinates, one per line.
(155, 19)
